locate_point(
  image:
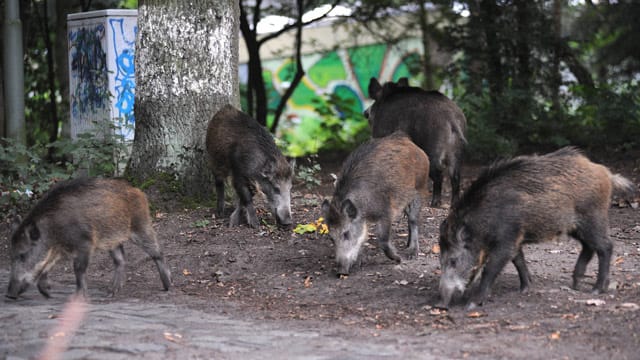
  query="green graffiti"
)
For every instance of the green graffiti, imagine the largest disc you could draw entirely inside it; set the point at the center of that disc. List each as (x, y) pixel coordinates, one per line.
(410, 65)
(349, 96)
(367, 62)
(327, 69)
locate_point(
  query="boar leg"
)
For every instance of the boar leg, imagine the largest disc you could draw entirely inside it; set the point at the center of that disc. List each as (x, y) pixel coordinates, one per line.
(496, 262)
(220, 196)
(581, 265)
(80, 264)
(383, 232)
(117, 254)
(245, 207)
(43, 285)
(604, 260)
(436, 177)
(523, 272)
(413, 211)
(149, 243)
(455, 183)
(42, 272)
(594, 239)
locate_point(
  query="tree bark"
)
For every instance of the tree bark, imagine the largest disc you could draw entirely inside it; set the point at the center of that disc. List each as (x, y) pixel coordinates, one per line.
(427, 67)
(186, 70)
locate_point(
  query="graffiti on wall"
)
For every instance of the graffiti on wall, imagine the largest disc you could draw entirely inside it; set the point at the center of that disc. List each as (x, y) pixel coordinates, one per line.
(102, 73)
(88, 70)
(123, 42)
(343, 72)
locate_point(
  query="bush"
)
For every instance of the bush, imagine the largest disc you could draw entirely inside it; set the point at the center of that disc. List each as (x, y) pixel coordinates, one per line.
(28, 172)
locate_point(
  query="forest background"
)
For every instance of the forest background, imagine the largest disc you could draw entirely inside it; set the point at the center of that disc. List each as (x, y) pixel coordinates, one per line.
(529, 75)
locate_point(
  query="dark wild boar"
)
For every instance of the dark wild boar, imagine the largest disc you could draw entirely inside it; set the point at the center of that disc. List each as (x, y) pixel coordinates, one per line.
(527, 199)
(434, 122)
(239, 146)
(378, 180)
(75, 218)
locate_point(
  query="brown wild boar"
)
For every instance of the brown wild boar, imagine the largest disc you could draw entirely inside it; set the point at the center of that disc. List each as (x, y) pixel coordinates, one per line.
(75, 218)
(527, 199)
(239, 146)
(378, 180)
(434, 123)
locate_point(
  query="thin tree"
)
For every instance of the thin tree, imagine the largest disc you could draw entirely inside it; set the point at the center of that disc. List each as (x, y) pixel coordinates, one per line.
(249, 18)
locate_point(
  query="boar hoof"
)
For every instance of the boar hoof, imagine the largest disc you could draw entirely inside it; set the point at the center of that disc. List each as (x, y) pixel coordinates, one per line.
(472, 305)
(44, 292)
(44, 288)
(597, 291)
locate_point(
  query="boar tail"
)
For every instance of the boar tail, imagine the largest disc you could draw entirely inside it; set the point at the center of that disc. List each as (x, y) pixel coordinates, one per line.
(624, 187)
(457, 129)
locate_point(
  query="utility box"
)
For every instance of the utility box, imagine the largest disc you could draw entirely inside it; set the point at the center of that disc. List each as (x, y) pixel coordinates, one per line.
(102, 71)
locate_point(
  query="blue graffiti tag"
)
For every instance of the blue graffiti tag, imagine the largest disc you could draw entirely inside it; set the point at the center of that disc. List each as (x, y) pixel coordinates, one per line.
(125, 70)
(89, 66)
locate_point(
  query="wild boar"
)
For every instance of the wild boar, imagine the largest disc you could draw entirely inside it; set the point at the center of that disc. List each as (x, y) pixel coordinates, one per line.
(434, 123)
(378, 180)
(75, 218)
(527, 199)
(239, 146)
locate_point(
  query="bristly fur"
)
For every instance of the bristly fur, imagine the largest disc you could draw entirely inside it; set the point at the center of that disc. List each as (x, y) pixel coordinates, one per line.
(502, 167)
(475, 192)
(48, 202)
(390, 89)
(51, 199)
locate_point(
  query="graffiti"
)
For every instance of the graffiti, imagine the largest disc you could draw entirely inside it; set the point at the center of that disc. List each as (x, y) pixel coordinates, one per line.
(343, 72)
(88, 65)
(124, 87)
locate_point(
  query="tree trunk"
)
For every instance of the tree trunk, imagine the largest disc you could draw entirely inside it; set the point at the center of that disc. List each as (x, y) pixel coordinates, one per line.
(556, 77)
(427, 67)
(61, 55)
(186, 70)
(489, 12)
(256, 92)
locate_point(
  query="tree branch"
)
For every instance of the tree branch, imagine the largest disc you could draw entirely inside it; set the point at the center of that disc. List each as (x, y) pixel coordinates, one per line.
(299, 71)
(295, 25)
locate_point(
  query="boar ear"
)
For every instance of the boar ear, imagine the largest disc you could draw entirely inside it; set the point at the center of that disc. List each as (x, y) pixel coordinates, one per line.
(15, 224)
(267, 171)
(335, 179)
(349, 209)
(375, 90)
(403, 81)
(463, 235)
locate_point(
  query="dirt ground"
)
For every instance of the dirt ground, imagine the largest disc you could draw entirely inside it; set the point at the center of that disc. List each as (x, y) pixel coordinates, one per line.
(278, 276)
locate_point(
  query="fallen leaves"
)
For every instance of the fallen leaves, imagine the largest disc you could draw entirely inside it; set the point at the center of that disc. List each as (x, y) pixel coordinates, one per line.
(173, 337)
(437, 311)
(595, 302)
(629, 306)
(476, 314)
(318, 226)
(435, 249)
(308, 281)
(592, 302)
